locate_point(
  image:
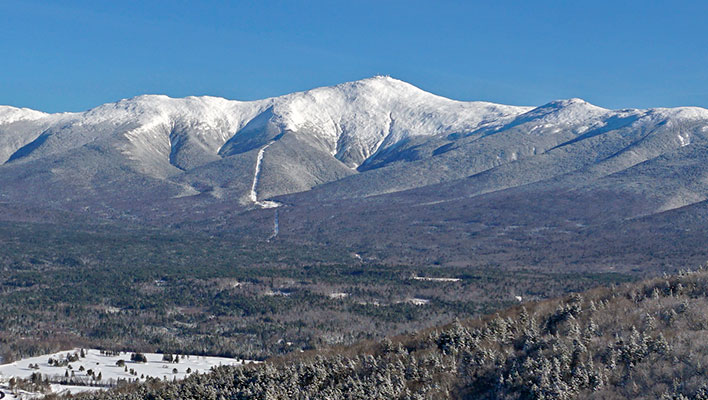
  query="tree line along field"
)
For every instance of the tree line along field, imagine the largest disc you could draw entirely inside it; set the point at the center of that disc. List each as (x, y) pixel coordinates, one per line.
(145, 290)
(574, 347)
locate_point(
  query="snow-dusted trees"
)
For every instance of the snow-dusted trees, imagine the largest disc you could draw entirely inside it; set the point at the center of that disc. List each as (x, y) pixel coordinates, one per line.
(610, 343)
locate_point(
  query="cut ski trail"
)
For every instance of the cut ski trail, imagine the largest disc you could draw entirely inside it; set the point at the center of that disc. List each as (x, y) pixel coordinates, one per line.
(254, 185)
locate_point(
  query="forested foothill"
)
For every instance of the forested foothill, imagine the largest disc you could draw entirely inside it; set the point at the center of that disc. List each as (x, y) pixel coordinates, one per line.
(642, 340)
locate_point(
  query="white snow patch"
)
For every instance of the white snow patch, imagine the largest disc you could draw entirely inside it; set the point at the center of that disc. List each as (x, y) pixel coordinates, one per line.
(417, 301)
(425, 278)
(277, 292)
(685, 140)
(582, 129)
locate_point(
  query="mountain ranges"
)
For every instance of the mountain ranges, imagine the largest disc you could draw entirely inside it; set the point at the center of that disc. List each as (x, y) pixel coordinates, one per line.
(378, 168)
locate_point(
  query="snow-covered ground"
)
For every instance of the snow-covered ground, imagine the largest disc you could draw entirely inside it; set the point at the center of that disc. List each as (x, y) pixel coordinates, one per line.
(105, 365)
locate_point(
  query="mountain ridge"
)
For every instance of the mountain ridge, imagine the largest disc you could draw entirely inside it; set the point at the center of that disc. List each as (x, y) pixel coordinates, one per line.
(223, 119)
(362, 146)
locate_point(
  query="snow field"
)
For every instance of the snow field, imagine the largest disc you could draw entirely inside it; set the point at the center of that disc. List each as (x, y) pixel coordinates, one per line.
(106, 366)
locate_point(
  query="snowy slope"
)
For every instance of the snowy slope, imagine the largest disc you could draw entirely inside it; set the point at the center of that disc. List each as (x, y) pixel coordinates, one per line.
(355, 120)
(548, 142)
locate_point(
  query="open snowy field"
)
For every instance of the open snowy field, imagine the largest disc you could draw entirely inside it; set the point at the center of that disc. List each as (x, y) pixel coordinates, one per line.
(68, 371)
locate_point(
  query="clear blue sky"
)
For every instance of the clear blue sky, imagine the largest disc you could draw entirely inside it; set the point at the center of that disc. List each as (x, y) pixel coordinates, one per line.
(74, 55)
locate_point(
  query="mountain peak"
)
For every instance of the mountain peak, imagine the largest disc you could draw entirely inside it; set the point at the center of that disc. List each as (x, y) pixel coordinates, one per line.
(565, 111)
(385, 79)
(382, 85)
(10, 114)
(572, 102)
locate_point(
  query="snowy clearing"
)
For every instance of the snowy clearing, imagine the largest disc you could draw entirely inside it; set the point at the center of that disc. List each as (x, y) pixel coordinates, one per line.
(82, 374)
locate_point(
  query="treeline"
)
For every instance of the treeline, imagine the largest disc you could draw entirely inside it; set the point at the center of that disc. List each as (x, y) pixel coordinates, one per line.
(645, 340)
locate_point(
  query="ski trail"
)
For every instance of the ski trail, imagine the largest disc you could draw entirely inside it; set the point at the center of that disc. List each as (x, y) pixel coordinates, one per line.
(259, 161)
(254, 185)
(276, 226)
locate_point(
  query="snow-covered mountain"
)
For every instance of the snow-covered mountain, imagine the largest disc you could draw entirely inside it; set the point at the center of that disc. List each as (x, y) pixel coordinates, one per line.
(351, 121)
(320, 135)
(371, 137)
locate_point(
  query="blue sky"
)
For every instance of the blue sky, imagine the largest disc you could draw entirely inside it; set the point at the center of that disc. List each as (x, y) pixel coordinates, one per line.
(74, 55)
